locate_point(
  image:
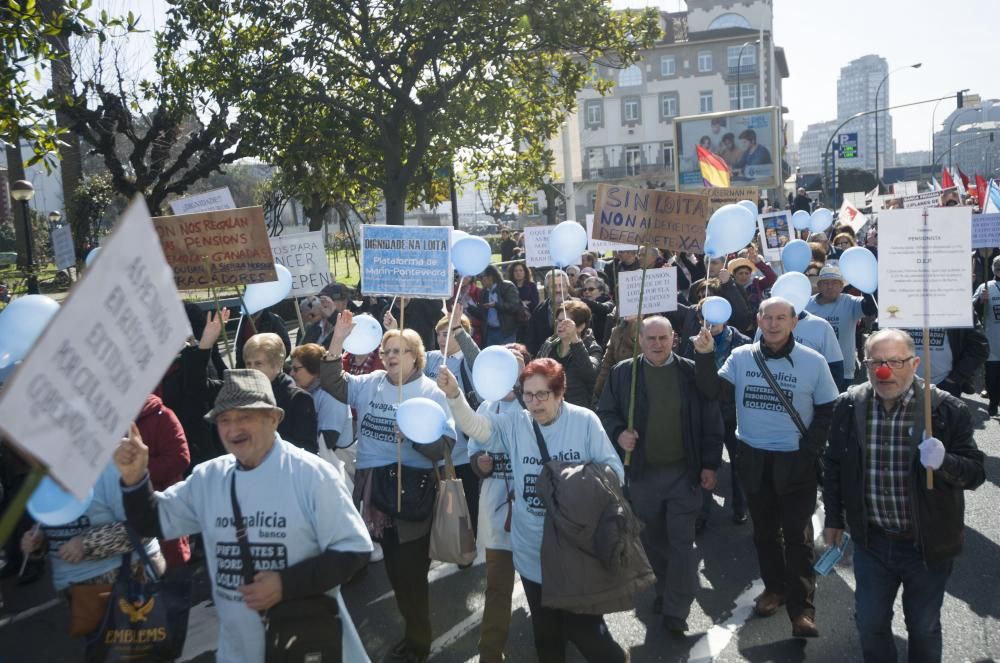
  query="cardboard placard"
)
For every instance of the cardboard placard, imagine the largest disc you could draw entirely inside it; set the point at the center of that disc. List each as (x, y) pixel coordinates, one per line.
(774, 230)
(62, 246)
(924, 271)
(719, 196)
(660, 293)
(409, 261)
(209, 201)
(985, 231)
(922, 200)
(600, 246)
(304, 255)
(71, 400)
(234, 241)
(665, 219)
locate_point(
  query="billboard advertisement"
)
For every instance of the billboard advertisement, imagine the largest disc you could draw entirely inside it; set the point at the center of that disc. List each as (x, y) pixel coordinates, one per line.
(747, 140)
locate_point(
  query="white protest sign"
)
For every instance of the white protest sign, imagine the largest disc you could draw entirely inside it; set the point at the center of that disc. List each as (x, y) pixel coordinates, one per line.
(659, 295)
(924, 270)
(775, 230)
(62, 246)
(536, 246)
(904, 189)
(922, 200)
(210, 201)
(600, 245)
(985, 231)
(304, 255)
(71, 400)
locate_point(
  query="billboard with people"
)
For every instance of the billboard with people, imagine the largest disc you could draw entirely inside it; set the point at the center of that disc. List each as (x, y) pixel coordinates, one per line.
(748, 141)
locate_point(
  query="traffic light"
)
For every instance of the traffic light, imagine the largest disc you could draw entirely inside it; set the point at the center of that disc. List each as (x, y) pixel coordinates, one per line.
(960, 98)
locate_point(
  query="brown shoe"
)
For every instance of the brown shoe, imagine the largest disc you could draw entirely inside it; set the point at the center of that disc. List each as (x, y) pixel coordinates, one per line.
(804, 626)
(767, 603)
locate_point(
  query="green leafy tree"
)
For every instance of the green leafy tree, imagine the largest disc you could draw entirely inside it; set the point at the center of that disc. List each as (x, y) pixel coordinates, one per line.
(397, 89)
(87, 210)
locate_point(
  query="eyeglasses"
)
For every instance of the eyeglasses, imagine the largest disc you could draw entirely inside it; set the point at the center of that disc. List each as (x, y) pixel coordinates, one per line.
(393, 352)
(590, 289)
(540, 396)
(891, 363)
(839, 244)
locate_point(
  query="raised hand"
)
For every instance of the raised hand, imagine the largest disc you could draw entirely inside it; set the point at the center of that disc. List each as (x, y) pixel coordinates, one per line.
(388, 321)
(703, 342)
(447, 383)
(214, 322)
(345, 323)
(566, 329)
(132, 457)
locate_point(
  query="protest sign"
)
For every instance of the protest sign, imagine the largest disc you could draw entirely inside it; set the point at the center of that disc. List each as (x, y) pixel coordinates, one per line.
(304, 255)
(62, 246)
(210, 201)
(985, 231)
(600, 246)
(904, 188)
(719, 196)
(665, 219)
(660, 293)
(234, 241)
(924, 271)
(922, 200)
(775, 230)
(71, 400)
(413, 261)
(536, 247)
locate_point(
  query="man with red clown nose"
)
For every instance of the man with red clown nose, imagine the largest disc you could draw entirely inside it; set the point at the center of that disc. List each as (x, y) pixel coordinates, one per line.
(904, 532)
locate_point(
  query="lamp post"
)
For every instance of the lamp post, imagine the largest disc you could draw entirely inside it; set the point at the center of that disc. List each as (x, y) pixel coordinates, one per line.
(951, 125)
(22, 191)
(878, 90)
(739, 72)
(933, 124)
(54, 217)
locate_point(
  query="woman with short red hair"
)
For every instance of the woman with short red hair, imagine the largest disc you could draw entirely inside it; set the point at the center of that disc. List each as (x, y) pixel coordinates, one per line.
(571, 433)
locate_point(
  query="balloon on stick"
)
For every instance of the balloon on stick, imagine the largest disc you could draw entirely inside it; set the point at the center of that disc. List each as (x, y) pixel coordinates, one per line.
(730, 229)
(716, 310)
(567, 242)
(820, 220)
(859, 267)
(801, 220)
(365, 336)
(795, 256)
(470, 255)
(258, 296)
(494, 373)
(794, 287)
(421, 420)
(52, 506)
(21, 323)
(750, 206)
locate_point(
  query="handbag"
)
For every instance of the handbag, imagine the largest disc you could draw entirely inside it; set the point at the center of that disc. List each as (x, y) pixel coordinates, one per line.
(295, 630)
(452, 538)
(87, 606)
(146, 618)
(419, 489)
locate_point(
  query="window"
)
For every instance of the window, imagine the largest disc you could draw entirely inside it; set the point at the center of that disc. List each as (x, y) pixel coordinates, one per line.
(749, 96)
(633, 160)
(749, 57)
(729, 20)
(630, 76)
(668, 66)
(595, 113)
(704, 61)
(668, 155)
(705, 102)
(591, 201)
(668, 105)
(630, 109)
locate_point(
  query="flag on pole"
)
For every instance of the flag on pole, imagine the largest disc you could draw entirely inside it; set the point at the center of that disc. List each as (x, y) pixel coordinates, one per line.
(934, 184)
(851, 216)
(981, 188)
(992, 199)
(957, 179)
(714, 171)
(965, 178)
(946, 181)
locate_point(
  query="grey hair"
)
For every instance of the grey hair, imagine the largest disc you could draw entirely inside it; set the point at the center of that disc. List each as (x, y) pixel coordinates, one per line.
(655, 318)
(881, 334)
(598, 282)
(775, 300)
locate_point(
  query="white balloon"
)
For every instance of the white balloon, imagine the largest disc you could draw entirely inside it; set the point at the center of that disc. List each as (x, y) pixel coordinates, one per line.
(795, 287)
(457, 235)
(750, 207)
(421, 420)
(820, 220)
(730, 229)
(258, 296)
(365, 336)
(494, 373)
(92, 256)
(567, 243)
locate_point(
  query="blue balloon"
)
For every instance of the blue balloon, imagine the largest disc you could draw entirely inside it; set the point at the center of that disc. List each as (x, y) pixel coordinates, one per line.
(494, 373)
(730, 229)
(820, 220)
(859, 267)
(365, 336)
(258, 296)
(421, 420)
(795, 256)
(567, 243)
(52, 506)
(92, 255)
(801, 220)
(21, 323)
(750, 207)
(795, 287)
(470, 255)
(716, 310)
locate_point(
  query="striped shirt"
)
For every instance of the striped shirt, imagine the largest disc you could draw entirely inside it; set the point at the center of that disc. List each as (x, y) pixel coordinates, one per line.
(887, 464)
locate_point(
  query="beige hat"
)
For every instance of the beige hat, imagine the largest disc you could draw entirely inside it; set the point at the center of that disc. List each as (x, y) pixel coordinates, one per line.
(830, 273)
(737, 263)
(244, 389)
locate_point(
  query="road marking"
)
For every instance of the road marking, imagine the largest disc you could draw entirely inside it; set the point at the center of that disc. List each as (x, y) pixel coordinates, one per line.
(51, 603)
(461, 629)
(439, 572)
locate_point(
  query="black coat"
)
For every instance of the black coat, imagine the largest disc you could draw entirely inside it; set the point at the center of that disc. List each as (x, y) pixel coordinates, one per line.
(300, 426)
(939, 513)
(701, 419)
(267, 322)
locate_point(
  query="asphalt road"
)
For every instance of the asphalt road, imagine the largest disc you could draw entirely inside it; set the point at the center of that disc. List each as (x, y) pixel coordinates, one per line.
(33, 621)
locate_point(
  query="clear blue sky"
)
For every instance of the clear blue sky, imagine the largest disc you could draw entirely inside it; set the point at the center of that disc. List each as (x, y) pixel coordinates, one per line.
(956, 41)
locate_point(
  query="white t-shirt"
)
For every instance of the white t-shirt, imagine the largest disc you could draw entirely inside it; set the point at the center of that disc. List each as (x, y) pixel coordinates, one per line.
(295, 505)
(814, 332)
(761, 420)
(843, 315)
(940, 352)
(460, 452)
(493, 489)
(991, 317)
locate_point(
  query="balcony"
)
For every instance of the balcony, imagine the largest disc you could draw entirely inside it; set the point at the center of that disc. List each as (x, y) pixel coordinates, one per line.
(741, 70)
(617, 173)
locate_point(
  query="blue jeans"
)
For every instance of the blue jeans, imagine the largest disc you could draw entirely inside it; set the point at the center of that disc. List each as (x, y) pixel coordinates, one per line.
(879, 569)
(495, 336)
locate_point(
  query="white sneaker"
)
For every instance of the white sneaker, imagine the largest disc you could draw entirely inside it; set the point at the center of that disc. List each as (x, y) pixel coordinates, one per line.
(377, 554)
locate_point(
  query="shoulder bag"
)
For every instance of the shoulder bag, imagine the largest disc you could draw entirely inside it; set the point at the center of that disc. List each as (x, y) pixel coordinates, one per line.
(758, 357)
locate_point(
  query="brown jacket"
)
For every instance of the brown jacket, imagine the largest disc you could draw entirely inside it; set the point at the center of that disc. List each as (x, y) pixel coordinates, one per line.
(620, 346)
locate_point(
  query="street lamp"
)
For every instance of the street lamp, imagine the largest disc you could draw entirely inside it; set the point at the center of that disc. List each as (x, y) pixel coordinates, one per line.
(934, 124)
(878, 90)
(22, 191)
(739, 71)
(54, 217)
(951, 125)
